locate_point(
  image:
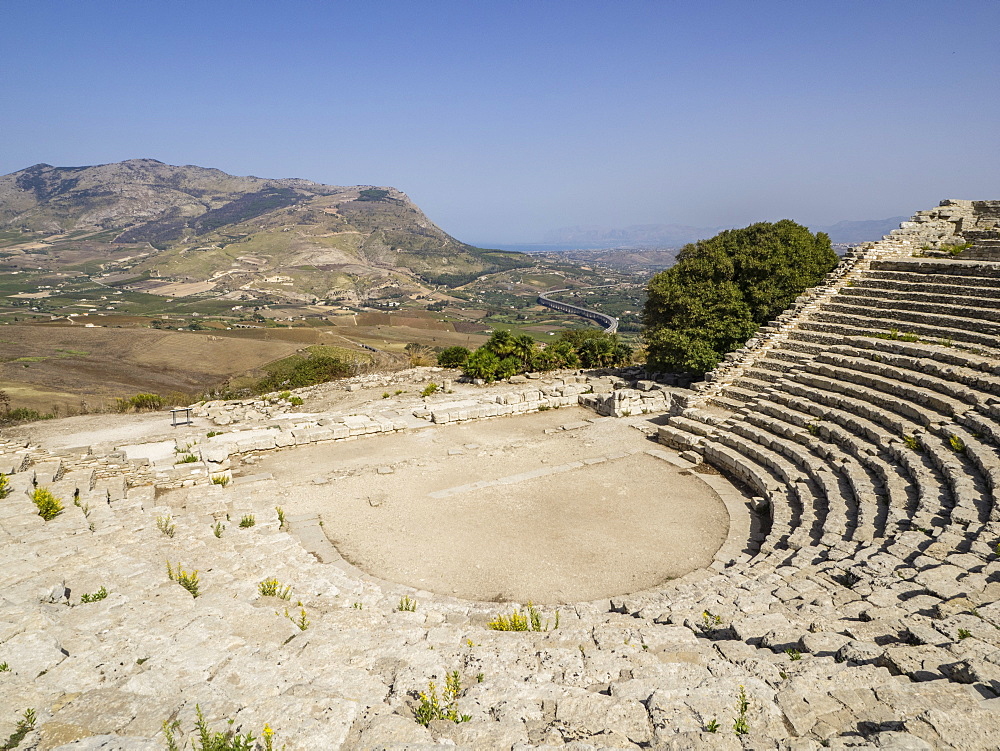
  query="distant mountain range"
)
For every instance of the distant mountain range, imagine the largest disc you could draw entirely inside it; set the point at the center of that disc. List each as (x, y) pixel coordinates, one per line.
(194, 224)
(676, 235)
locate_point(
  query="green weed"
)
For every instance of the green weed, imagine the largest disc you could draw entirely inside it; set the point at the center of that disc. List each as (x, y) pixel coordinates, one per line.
(215, 740)
(96, 597)
(301, 620)
(296, 401)
(221, 480)
(188, 580)
(24, 726)
(741, 726)
(49, 507)
(956, 249)
(956, 444)
(793, 654)
(712, 726)
(272, 588)
(407, 605)
(247, 521)
(4, 667)
(895, 336)
(166, 525)
(213, 433)
(187, 459)
(913, 443)
(710, 621)
(218, 528)
(4, 486)
(446, 708)
(429, 389)
(281, 517)
(964, 633)
(518, 621)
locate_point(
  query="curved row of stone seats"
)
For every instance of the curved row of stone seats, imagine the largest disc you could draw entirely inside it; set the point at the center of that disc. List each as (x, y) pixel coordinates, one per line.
(963, 468)
(904, 420)
(891, 484)
(942, 285)
(849, 488)
(948, 445)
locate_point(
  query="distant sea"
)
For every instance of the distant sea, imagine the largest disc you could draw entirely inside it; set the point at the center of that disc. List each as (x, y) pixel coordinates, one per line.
(533, 248)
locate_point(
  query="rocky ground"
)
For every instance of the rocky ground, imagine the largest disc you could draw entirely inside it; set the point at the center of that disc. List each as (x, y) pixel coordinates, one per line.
(716, 658)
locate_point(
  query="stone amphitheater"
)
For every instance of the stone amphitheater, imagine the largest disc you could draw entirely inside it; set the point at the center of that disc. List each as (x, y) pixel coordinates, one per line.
(847, 597)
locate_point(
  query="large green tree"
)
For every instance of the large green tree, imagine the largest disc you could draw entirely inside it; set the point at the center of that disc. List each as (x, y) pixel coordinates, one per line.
(720, 290)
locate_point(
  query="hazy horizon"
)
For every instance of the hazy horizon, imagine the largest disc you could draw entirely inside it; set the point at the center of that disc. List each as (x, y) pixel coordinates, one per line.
(505, 123)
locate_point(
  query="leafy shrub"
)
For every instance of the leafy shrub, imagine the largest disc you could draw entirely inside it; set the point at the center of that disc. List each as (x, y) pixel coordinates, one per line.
(482, 364)
(23, 414)
(956, 444)
(296, 401)
(429, 389)
(720, 290)
(140, 403)
(49, 507)
(372, 194)
(298, 372)
(453, 357)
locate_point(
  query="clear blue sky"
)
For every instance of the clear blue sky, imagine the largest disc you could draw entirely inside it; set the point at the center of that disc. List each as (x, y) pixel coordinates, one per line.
(503, 120)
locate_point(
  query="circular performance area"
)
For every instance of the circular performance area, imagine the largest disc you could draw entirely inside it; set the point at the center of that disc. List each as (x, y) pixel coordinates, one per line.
(550, 507)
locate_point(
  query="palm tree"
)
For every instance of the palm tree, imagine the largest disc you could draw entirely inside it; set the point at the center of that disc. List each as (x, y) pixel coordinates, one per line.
(501, 343)
(524, 350)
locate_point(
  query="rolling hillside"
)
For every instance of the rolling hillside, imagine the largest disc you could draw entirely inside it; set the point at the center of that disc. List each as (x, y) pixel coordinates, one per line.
(158, 223)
